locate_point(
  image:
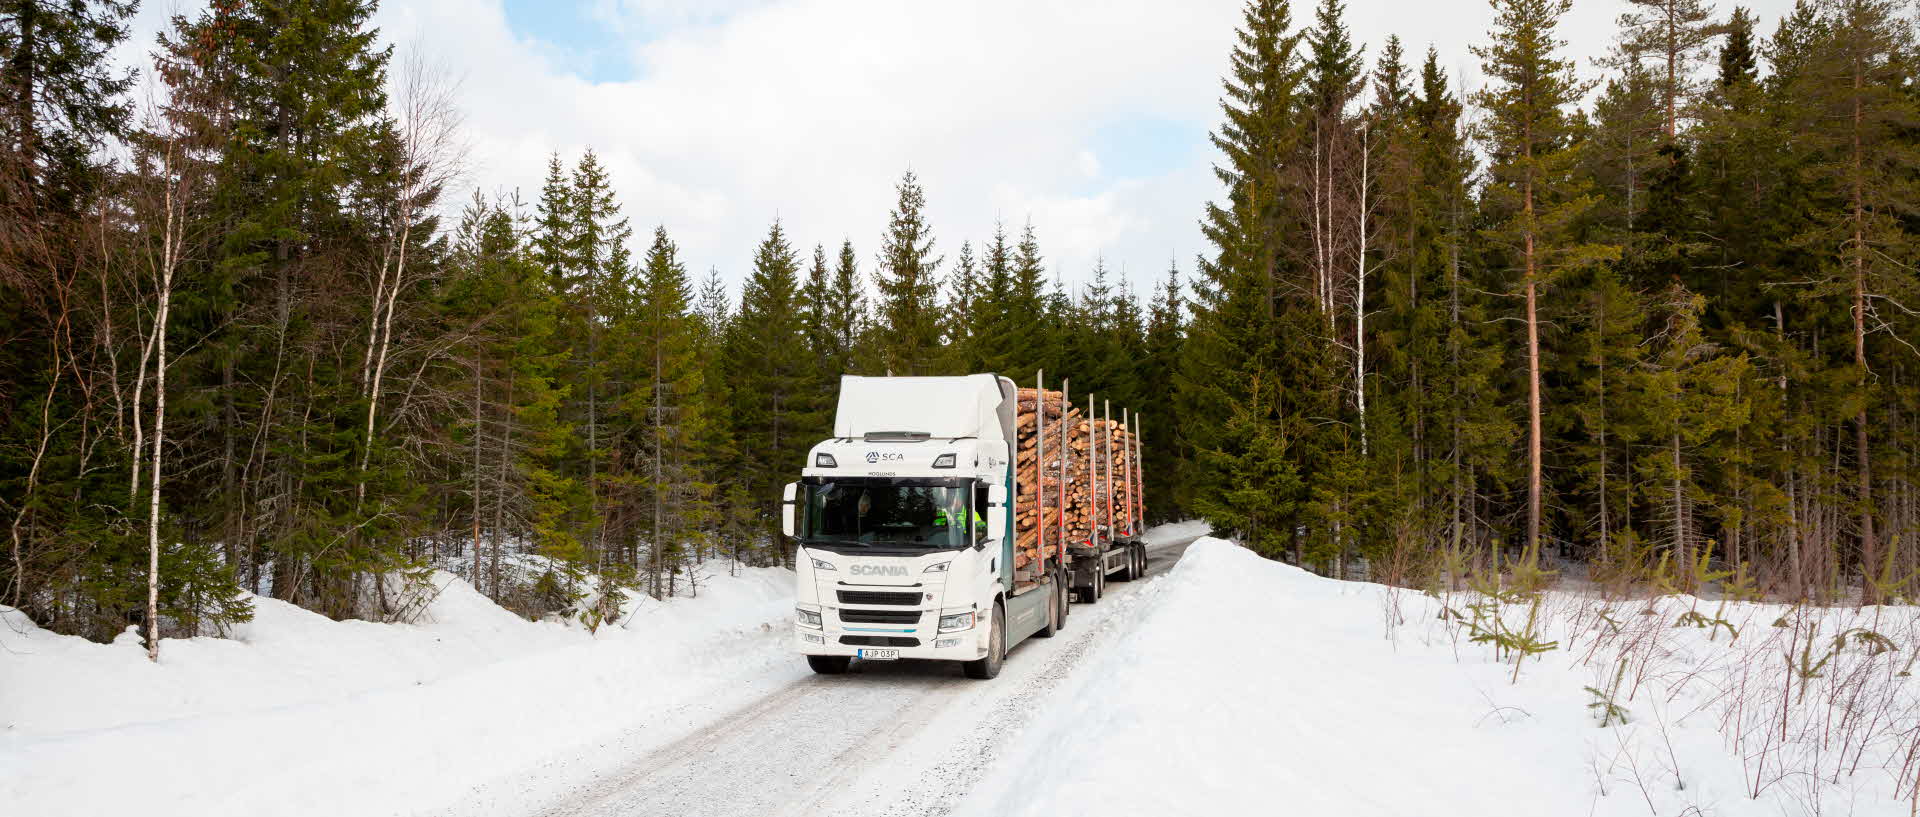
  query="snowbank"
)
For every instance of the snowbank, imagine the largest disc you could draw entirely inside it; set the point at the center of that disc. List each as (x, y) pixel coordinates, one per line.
(1248, 686)
(298, 714)
(1176, 531)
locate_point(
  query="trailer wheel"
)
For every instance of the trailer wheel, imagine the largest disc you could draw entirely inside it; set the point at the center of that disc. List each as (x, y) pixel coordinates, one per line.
(829, 664)
(1126, 571)
(987, 668)
(1097, 587)
(1066, 597)
(1140, 560)
(1054, 613)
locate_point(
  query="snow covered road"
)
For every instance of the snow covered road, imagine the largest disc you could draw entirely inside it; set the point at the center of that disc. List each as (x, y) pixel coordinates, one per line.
(908, 738)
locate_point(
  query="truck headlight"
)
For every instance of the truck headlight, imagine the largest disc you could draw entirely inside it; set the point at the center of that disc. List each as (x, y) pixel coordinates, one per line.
(943, 461)
(823, 565)
(809, 618)
(957, 621)
(939, 568)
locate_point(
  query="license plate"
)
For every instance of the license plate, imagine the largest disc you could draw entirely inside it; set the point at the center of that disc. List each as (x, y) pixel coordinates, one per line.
(879, 655)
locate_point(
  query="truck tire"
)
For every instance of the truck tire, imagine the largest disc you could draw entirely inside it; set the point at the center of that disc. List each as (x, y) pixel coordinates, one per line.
(1127, 573)
(987, 668)
(1097, 587)
(829, 664)
(1140, 561)
(1054, 613)
(1066, 597)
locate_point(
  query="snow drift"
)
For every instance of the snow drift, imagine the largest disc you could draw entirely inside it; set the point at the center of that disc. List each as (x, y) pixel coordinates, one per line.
(1251, 686)
(302, 715)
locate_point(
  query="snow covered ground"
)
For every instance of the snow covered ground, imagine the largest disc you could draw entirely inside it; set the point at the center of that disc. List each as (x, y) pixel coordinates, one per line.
(1254, 687)
(1226, 684)
(298, 714)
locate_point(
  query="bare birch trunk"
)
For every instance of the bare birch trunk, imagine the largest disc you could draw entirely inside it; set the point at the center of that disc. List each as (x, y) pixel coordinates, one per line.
(169, 258)
(1360, 299)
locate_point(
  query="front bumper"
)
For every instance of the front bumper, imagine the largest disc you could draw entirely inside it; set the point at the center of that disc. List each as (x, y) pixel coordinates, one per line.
(964, 645)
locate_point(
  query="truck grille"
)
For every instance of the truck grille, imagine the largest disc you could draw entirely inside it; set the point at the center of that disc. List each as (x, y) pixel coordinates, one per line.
(876, 597)
(879, 641)
(880, 616)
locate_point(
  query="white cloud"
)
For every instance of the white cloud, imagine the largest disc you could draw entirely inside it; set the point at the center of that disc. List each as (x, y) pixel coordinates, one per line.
(1089, 164)
(810, 110)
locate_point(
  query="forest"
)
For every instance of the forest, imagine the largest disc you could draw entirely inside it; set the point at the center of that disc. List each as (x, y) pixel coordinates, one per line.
(1652, 330)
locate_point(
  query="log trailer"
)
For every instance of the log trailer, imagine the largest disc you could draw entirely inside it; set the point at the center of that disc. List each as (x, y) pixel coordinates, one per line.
(952, 518)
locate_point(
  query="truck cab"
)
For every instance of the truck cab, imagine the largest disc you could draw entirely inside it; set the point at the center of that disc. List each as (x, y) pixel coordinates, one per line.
(903, 522)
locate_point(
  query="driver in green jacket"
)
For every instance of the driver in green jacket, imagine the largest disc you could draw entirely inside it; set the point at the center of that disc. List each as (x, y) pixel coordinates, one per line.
(956, 509)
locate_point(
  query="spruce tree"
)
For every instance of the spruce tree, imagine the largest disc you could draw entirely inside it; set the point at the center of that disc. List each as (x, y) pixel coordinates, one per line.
(1232, 390)
(1023, 319)
(816, 308)
(1739, 60)
(1166, 497)
(907, 316)
(671, 412)
(847, 312)
(962, 327)
(60, 101)
(777, 409)
(595, 278)
(554, 228)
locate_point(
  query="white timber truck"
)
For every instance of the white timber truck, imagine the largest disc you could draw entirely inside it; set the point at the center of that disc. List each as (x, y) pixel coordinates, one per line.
(905, 525)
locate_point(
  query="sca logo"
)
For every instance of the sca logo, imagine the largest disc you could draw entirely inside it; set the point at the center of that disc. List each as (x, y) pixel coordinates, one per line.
(875, 456)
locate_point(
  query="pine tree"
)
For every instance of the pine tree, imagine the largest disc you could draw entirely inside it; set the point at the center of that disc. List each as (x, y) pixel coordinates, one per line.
(1858, 89)
(1676, 33)
(1528, 130)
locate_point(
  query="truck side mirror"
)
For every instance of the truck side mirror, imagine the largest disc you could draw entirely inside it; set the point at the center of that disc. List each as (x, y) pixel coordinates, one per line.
(786, 508)
(996, 514)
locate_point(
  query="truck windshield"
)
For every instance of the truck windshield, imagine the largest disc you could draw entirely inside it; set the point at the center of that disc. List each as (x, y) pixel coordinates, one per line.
(891, 513)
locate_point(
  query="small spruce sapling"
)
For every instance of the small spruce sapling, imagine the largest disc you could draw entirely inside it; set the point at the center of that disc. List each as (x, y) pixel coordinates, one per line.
(1605, 701)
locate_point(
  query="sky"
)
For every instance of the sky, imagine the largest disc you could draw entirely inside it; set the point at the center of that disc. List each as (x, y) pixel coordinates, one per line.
(715, 117)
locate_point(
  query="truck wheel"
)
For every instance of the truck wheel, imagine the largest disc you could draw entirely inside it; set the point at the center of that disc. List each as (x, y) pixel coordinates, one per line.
(1126, 572)
(1140, 559)
(1098, 587)
(987, 668)
(829, 664)
(1066, 598)
(1054, 614)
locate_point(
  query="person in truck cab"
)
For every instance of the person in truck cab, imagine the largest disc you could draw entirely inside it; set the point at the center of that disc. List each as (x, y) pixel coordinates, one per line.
(956, 509)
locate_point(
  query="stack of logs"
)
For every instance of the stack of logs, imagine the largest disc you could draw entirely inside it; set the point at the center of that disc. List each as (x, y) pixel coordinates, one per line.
(1038, 522)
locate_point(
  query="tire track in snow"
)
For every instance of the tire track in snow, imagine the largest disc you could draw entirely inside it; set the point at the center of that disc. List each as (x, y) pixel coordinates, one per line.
(906, 738)
(939, 787)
